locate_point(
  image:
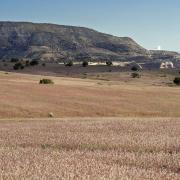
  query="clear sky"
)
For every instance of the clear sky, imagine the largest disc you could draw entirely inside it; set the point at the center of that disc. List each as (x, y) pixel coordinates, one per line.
(152, 23)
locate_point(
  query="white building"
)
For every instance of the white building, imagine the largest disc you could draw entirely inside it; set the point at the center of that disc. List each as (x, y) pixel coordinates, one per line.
(167, 65)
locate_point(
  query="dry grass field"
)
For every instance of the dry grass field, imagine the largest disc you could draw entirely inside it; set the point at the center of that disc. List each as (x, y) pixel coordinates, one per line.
(116, 95)
(98, 142)
(90, 148)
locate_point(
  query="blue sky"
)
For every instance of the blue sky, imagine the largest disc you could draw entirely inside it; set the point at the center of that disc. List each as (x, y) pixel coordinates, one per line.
(151, 23)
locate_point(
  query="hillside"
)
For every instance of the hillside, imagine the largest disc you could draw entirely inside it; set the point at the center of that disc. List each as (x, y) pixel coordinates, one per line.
(57, 42)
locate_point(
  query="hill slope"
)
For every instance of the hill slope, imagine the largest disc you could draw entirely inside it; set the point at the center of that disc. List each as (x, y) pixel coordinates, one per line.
(49, 41)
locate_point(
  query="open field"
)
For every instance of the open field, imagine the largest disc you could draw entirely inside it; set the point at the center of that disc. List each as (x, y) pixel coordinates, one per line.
(90, 148)
(104, 95)
(106, 145)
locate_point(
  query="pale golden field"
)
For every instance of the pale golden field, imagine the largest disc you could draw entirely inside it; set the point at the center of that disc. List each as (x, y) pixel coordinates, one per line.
(93, 135)
(90, 148)
(149, 96)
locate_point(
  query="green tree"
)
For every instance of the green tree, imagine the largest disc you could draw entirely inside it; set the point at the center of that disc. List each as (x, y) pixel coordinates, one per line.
(18, 66)
(70, 63)
(134, 68)
(85, 63)
(177, 80)
(109, 63)
(46, 81)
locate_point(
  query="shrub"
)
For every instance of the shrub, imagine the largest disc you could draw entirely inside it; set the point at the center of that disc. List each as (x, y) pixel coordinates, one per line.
(135, 75)
(18, 65)
(109, 63)
(70, 63)
(46, 81)
(34, 62)
(14, 60)
(177, 80)
(85, 63)
(134, 68)
(27, 62)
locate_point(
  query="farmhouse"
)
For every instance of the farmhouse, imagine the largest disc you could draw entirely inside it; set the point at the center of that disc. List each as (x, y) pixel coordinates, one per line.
(167, 65)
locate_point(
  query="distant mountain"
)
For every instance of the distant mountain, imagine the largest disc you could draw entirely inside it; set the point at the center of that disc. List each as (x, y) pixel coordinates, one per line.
(57, 42)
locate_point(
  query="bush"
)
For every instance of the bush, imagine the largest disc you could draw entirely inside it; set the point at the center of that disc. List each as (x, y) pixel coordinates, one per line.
(18, 65)
(177, 80)
(109, 63)
(135, 75)
(70, 63)
(34, 62)
(85, 63)
(46, 81)
(27, 62)
(14, 60)
(134, 68)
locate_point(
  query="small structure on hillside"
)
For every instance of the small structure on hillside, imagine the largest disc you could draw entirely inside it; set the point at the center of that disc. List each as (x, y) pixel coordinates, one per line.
(159, 65)
(167, 65)
(97, 63)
